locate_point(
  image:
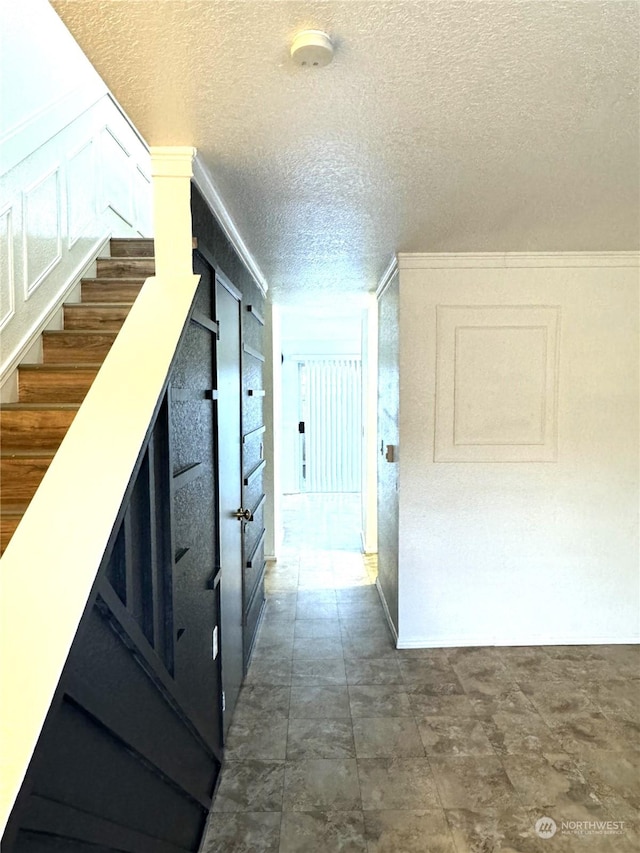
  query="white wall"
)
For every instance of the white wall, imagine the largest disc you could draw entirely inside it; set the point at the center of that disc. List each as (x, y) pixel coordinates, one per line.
(519, 464)
(73, 171)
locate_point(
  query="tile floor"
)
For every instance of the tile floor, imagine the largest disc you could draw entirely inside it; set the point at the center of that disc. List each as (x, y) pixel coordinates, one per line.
(340, 742)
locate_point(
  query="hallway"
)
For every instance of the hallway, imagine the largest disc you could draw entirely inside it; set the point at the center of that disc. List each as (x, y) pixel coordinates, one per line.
(340, 742)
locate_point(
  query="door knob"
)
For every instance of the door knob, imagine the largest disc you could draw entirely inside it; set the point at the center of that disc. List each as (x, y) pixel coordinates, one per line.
(243, 514)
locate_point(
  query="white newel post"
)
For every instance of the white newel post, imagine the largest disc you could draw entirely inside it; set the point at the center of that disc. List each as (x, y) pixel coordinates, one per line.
(172, 169)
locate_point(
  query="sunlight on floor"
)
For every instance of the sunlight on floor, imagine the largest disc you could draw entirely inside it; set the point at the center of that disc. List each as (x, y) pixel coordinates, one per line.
(322, 546)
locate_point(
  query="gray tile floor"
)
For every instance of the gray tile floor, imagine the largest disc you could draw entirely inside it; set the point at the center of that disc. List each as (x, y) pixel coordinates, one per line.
(342, 743)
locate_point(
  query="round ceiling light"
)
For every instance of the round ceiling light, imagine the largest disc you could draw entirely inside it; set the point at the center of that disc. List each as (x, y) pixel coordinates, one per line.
(312, 49)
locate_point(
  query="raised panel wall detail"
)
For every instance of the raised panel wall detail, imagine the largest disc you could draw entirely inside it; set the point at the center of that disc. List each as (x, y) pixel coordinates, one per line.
(141, 195)
(497, 382)
(117, 185)
(55, 218)
(81, 191)
(42, 229)
(7, 300)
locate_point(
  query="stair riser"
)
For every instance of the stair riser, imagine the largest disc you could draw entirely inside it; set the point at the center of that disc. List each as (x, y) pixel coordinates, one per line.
(109, 291)
(128, 248)
(58, 348)
(7, 529)
(19, 478)
(79, 318)
(125, 267)
(40, 430)
(62, 386)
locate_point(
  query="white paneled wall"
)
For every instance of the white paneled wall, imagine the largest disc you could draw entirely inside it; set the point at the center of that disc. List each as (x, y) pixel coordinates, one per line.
(518, 468)
(59, 205)
(73, 171)
(7, 302)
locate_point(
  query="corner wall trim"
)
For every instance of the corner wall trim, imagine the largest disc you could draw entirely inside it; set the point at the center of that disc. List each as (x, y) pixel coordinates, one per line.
(124, 115)
(203, 180)
(387, 612)
(386, 277)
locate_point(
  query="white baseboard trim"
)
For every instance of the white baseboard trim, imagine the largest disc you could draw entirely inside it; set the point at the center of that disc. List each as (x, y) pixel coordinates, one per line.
(387, 612)
(460, 642)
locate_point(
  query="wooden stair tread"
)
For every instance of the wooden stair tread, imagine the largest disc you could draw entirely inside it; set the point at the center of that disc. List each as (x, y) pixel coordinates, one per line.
(77, 346)
(36, 425)
(13, 510)
(114, 291)
(92, 306)
(87, 316)
(116, 280)
(125, 267)
(36, 407)
(26, 454)
(127, 258)
(52, 367)
(10, 518)
(21, 473)
(56, 382)
(121, 247)
(76, 333)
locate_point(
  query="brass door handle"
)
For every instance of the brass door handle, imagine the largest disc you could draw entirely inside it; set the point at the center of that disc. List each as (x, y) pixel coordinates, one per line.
(243, 514)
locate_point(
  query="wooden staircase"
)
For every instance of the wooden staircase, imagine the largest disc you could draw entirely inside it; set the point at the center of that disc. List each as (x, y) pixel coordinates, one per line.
(49, 394)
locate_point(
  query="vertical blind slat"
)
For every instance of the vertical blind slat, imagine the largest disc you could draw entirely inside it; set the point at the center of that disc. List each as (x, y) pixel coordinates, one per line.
(333, 432)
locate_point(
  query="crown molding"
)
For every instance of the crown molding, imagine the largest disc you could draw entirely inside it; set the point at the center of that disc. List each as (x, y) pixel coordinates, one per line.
(203, 180)
(387, 276)
(504, 260)
(172, 161)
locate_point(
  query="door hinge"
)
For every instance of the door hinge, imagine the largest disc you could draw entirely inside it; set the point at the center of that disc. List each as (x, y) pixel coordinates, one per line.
(224, 702)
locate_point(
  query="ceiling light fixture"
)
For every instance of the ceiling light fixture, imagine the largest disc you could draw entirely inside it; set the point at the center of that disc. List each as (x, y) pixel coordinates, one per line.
(312, 49)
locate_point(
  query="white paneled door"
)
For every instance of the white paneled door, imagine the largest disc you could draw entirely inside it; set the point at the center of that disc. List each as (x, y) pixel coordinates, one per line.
(330, 424)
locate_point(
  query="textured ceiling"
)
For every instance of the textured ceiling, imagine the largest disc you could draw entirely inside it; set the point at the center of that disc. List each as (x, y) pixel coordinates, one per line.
(439, 126)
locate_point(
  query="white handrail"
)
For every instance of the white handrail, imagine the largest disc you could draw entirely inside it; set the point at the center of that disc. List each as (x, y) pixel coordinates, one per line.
(51, 562)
